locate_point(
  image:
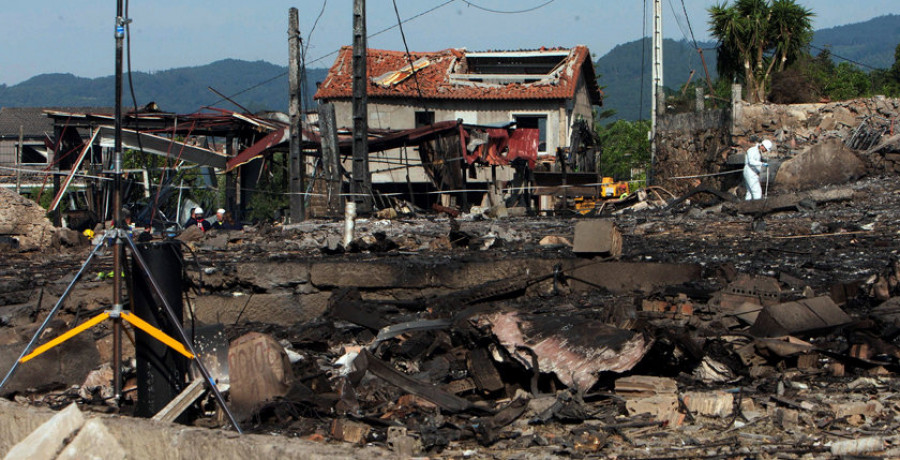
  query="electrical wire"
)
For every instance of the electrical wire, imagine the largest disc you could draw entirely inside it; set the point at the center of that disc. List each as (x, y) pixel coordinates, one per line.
(412, 68)
(320, 58)
(489, 10)
(690, 29)
(844, 58)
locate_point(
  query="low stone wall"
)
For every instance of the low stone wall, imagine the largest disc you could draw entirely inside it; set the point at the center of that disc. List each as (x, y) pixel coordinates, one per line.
(691, 144)
(700, 143)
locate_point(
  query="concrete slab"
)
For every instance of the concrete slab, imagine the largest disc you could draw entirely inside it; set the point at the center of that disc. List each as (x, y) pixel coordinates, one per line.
(93, 442)
(597, 237)
(46, 441)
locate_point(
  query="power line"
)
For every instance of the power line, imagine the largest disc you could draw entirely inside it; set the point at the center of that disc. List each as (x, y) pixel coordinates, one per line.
(489, 10)
(412, 68)
(844, 58)
(264, 82)
(690, 29)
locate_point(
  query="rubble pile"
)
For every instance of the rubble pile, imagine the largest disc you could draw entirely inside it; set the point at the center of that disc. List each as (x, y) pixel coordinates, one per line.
(23, 224)
(684, 328)
(797, 126)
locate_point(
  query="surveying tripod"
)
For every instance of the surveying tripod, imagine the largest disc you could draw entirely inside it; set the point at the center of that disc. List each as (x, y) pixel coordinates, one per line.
(115, 237)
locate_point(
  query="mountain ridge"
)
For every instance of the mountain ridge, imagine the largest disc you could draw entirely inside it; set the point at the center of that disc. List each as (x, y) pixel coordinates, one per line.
(261, 85)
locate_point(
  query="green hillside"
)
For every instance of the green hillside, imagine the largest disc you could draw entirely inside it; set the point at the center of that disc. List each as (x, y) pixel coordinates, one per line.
(181, 90)
(621, 70)
(871, 43)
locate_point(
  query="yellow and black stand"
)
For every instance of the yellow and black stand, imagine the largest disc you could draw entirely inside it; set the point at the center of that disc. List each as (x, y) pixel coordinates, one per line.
(130, 318)
(118, 237)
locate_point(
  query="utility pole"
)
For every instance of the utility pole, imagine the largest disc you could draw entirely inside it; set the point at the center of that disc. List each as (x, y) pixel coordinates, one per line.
(298, 168)
(361, 184)
(331, 159)
(657, 105)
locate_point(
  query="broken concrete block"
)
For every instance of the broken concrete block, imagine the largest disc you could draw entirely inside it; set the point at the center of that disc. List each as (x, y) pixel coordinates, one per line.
(49, 438)
(663, 407)
(871, 408)
(349, 431)
(852, 447)
(827, 163)
(757, 290)
(711, 404)
(643, 386)
(93, 442)
(259, 370)
(801, 316)
(597, 237)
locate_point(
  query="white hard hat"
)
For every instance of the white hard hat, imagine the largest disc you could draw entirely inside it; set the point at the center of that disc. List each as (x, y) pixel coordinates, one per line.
(220, 211)
(768, 144)
(198, 210)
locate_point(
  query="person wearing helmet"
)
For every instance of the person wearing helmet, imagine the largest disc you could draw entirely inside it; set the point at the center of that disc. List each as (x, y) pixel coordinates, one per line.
(220, 220)
(753, 164)
(197, 220)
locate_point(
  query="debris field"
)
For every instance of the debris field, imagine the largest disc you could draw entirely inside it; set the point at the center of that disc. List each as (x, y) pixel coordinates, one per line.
(688, 328)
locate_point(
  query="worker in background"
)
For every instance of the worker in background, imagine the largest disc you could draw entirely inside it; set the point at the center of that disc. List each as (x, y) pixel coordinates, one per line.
(197, 220)
(220, 220)
(753, 164)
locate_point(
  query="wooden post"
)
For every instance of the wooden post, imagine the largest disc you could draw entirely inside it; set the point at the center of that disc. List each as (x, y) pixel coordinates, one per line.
(361, 184)
(230, 182)
(331, 158)
(19, 156)
(297, 168)
(56, 216)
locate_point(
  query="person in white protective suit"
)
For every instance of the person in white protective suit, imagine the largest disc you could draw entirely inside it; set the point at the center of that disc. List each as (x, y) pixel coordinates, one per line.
(753, 164)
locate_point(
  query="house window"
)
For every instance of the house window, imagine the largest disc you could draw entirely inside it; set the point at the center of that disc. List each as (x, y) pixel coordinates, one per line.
(424, 119)
(538, 122)
(33, 154)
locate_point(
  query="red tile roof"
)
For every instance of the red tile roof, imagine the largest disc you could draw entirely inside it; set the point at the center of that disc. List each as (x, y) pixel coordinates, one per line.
(434, 79)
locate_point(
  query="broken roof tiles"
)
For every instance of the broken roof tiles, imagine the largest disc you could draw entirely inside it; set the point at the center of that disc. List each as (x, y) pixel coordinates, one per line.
(458, 74)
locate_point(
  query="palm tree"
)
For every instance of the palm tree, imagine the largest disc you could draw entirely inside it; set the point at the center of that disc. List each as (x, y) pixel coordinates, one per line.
(756, 35)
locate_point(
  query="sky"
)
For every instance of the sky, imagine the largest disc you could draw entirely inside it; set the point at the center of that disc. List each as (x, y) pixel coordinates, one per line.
(77, 37)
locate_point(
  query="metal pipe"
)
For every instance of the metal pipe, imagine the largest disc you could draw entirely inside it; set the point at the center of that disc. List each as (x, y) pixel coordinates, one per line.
(349, 221)
(118, 249)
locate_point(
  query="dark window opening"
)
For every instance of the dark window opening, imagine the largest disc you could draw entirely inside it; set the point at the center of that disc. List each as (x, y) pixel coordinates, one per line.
(31, 155)
(424, 119)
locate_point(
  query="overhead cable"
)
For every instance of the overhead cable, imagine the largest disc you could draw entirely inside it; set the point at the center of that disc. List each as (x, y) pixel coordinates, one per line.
(490, 10)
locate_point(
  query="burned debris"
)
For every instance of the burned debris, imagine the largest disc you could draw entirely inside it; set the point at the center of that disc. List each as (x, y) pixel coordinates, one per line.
(699, 338)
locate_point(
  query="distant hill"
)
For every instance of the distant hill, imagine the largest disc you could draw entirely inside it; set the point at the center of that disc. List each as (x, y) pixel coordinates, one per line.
(871, 43)
(621, 70)
(263, 85)
(181, 90)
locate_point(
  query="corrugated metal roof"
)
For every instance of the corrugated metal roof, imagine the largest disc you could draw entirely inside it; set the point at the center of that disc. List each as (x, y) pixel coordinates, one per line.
(34, 122)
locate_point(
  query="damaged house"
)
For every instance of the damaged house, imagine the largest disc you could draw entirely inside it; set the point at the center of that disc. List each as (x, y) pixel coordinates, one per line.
(545, 95)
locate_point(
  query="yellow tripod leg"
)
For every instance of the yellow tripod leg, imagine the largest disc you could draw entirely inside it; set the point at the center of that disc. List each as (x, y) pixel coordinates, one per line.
(68, 335)
(156, 333)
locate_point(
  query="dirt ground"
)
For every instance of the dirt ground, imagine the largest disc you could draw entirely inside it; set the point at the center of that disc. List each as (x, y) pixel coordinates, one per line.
(703, 382)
